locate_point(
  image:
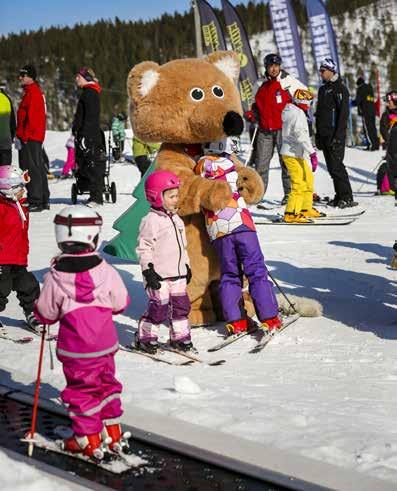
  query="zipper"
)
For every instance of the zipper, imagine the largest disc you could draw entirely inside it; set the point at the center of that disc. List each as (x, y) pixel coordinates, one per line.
(179, 246)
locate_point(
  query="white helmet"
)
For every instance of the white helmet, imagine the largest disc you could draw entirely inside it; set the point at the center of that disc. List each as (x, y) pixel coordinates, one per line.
(78, 226)
(227, 145)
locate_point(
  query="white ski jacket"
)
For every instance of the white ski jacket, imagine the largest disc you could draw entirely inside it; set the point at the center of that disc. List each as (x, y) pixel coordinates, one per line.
(295, 133)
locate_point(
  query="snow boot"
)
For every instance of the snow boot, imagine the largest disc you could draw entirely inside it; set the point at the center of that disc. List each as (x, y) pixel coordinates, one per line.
(184, 346)
(313, 213)
(150, 346)
(33, 324)
(292, 218)
(118, 441)
(271, 324)
(236, 327)
(89, 445)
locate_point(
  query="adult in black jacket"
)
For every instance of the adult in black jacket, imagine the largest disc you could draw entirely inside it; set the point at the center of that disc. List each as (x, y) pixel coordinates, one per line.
(331, 121)
(89, 141)
(365, 102)
(391, 151)
(8, 126)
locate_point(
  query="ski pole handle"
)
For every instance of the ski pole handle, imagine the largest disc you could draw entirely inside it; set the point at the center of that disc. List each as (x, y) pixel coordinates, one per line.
(36, 393)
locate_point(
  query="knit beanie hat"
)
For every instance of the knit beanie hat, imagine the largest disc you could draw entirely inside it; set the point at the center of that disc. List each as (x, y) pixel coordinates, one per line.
(88, 74)
(28, 70)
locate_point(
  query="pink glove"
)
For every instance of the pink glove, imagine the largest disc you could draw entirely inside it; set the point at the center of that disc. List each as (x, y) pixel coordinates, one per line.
(314, 161)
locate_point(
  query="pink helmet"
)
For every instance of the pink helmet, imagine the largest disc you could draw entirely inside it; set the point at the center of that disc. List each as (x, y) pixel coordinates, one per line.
(158, 182)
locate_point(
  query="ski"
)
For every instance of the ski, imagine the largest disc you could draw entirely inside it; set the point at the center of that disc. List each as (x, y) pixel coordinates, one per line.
(24, 340)
(191, 356)
(156, 357)
(269, 335)
(112, 462)
(232, 339)
(278, 221)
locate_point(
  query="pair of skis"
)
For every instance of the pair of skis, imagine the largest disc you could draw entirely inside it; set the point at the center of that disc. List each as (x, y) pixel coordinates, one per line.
(190, 357)
(331, 219)
(112, 462)
(266, 338)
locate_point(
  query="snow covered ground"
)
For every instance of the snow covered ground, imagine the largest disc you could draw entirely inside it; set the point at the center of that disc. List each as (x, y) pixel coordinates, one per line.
(325, 388)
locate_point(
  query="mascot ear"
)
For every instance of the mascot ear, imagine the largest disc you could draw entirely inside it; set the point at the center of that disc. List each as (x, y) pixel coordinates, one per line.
(141, 80)
(227, 62)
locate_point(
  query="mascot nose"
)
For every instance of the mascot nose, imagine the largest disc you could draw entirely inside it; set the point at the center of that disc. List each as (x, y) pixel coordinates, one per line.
(233, 124)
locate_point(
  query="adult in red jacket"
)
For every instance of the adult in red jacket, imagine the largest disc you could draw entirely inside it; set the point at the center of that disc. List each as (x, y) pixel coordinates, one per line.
(14, 244)
(31, 126)
(270, 100)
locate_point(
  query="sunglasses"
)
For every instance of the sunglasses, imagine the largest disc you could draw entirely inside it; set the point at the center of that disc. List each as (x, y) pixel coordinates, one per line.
(22, 75)
(322, 70)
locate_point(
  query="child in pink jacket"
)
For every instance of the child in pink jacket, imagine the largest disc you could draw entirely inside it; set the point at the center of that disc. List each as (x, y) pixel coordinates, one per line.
(70, 164)
(165, 266)
(83, 292)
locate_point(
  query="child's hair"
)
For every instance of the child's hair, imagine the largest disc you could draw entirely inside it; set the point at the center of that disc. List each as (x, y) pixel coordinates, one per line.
(77, 229)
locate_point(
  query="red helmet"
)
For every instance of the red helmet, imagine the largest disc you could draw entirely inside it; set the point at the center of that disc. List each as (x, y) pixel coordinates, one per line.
(158, 182)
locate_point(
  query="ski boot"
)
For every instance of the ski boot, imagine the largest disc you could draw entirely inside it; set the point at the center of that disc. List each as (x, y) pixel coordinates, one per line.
(313, 213)
(118, 441)
(182, 345)
(33, 324)
(272, 324)
(237, 327)
(89, 445)
(150, 346)
(299, 218)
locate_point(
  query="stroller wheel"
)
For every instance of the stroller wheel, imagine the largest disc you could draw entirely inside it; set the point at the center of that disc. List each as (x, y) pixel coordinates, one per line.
(107, 196)
(113, 192)
(74, 193)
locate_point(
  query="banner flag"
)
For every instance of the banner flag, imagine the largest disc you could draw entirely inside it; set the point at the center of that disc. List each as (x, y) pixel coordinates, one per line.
(240, 43)
(285, 30)
(322, 33)
(213, 37)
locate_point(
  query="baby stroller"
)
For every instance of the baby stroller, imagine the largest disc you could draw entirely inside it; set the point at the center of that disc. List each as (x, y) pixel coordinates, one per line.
(109, 188)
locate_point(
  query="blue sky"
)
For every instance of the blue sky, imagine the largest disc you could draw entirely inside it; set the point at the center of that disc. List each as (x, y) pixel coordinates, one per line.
(30, 15)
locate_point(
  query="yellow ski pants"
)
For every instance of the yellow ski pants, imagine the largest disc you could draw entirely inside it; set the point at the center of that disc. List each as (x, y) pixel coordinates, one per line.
(301, 175)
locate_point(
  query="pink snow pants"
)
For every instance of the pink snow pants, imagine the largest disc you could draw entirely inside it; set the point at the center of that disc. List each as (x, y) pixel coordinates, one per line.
(70, 163)
(92, 392)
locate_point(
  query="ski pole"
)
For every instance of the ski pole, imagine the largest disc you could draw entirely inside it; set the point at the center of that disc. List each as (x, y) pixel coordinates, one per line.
(373, 170)
(36, 393)
(282, 293)
(251, 146)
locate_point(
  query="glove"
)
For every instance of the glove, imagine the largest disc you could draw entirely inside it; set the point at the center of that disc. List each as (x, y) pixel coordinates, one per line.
(314, 161)
(250, 116)
(17, 144)
(152, 278)
(188, 274)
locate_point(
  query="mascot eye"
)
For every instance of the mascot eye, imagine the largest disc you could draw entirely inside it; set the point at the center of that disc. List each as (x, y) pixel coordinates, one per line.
(197, 94)
(217, 91)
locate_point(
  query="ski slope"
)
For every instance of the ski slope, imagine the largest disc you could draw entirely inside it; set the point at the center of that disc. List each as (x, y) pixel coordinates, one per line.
(325, 388)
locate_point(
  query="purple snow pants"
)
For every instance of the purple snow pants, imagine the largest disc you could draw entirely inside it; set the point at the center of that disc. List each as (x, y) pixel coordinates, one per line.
(92, 392)
(240, 254)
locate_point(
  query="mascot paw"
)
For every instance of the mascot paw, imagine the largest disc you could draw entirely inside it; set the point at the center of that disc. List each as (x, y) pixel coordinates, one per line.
(250, 185)
(217, 196)
(306, 307)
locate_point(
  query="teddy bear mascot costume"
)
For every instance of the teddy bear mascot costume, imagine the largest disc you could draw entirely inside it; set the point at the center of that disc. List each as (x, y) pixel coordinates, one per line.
(184, 104)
